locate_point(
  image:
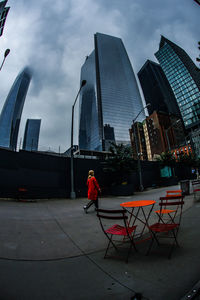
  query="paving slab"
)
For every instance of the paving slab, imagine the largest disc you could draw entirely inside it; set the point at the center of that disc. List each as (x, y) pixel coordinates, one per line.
(53, 250)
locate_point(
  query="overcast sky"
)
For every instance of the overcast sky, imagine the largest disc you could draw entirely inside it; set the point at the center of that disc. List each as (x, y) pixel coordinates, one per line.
(54, 37)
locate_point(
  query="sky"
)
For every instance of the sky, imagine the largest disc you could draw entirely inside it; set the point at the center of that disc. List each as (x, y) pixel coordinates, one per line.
(53, 38)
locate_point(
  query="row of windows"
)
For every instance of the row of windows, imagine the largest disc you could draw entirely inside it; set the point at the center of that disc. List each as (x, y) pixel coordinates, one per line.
(187, 88)
(176, 67)
(188, 94)
(183, 78)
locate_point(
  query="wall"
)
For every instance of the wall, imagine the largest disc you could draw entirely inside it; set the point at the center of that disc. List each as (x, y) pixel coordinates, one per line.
(48, 176)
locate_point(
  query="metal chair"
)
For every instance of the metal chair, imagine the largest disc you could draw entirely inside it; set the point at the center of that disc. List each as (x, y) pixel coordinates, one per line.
(165, 210)
(169, 229)
(173, 193)
(122, 230)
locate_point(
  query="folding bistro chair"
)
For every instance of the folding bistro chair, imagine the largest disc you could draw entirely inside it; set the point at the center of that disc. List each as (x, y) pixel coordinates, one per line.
(169, 229)
(116, 230)
(166, 211)
(174, 193)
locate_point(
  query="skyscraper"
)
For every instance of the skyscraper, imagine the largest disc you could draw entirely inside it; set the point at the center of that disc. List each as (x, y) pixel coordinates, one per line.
(11, 113)
(156, 89)
(3, 15)
(31, 134)
(184, 79)
(111, 96)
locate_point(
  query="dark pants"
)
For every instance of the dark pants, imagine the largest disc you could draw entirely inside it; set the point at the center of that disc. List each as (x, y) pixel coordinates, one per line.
(95, 202)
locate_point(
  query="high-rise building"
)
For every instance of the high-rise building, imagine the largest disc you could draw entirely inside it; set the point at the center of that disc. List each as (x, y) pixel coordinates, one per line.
(197, 1)
(163, 132)
(11, 113)
(139, 146)
(31, 134)
(184, 79)
(156, 89)
(3, 15)
(111, 96)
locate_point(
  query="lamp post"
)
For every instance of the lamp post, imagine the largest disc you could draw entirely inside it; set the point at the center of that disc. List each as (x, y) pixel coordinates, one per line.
(166, 133)
(73, 194)
(5, 55)
(137, 149)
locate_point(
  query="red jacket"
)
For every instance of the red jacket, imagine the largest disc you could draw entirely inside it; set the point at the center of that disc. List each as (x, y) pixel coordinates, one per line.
(93, 188)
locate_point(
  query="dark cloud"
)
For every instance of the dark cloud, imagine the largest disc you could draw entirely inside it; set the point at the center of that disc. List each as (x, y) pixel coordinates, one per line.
(54, 38)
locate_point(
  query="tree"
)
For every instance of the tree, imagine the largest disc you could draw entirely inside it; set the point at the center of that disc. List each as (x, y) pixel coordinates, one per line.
(167, 159)
(120, 163)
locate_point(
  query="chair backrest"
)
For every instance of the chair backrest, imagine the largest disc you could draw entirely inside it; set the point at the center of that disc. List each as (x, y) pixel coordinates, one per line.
(112, 214)
(116, 214)
(195, 184)
(174, 193)
(176, 201)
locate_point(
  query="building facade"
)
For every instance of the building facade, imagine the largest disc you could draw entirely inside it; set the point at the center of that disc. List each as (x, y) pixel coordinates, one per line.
(184, 79)
(111, 96)
(156, 89)
(11, 113)
(31, 135)
(139, 146)
(162, 133)
(3, 15)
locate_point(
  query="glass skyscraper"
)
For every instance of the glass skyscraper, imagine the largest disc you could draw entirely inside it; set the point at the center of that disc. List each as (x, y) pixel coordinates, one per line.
(31, 135)
(157, 90)
(111, 97)
(11, 113)
(184, 79)
(3, 15)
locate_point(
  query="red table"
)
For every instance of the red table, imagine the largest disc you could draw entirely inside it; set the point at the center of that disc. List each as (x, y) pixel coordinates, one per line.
(134, 207)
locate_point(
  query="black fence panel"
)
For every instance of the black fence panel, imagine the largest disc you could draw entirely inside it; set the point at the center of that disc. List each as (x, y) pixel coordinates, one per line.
(49, 176)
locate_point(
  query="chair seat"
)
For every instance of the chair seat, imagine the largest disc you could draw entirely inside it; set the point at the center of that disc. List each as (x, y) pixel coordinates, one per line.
(165, 211)
(160, 227)
(120, 230)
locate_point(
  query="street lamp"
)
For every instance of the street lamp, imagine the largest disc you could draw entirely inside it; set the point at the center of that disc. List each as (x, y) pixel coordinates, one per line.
(5, 54)
(166, 133)
(73, 194)
(137, 149)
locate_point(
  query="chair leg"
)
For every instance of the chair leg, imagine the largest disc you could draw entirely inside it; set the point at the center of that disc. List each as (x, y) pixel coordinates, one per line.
(110, 242)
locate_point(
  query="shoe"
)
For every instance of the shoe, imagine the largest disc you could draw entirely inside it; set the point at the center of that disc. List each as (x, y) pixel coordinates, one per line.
(85, 209)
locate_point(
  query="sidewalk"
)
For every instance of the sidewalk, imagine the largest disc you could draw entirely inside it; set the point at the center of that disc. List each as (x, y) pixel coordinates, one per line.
(53, 250)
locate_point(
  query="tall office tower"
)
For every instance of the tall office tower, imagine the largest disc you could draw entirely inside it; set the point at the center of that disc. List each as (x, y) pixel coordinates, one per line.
(31, 134)
(3, 15)
(89, 133)
(156, 89)
(111, 96)
(139, 146)
(11, 113)
(184, 79)
(197, 1)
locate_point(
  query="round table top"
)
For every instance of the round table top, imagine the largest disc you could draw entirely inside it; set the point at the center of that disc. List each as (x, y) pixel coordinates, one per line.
(138, 203)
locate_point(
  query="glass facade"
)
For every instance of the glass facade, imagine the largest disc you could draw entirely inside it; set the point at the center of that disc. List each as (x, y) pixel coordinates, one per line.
(89, 133)
(114, 98)
(11, 113)
(156, 89)
(184, 80)
(3, 15)
(31, 135)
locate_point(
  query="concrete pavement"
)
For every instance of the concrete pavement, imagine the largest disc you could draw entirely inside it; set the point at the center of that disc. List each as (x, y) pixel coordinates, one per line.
(51, 249)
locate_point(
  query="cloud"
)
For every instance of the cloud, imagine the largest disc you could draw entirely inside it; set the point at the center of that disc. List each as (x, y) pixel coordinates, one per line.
(55, 37)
